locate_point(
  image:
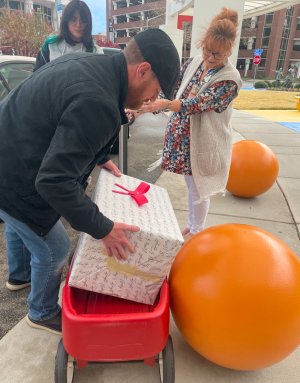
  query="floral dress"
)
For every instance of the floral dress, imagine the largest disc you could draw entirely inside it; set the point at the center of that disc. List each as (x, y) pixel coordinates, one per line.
(176, 151)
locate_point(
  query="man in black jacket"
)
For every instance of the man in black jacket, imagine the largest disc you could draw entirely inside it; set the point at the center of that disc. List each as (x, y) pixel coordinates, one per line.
(54, 128)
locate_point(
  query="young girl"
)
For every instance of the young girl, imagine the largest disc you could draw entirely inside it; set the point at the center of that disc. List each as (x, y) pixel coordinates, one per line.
(75, 34)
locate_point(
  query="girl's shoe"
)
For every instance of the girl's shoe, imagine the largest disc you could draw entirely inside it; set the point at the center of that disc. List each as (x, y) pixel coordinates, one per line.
(185, 231)
(187, 237)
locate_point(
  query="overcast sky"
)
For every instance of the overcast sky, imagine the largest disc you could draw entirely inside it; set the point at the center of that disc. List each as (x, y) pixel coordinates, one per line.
(98, 10)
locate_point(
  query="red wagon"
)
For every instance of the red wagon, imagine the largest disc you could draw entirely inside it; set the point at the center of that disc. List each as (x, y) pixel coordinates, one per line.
(102, 328)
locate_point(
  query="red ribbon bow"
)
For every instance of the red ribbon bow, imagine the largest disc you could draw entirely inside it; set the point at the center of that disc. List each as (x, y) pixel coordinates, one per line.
(137, 194)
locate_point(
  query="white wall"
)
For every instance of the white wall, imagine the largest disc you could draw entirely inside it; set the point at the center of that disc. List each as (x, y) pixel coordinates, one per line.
(203, 12)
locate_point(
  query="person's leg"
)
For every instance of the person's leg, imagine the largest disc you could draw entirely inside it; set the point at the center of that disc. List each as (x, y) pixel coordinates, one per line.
(197, 211)
(48, 256)
(186, 230)
(200, 215)
(18, 260)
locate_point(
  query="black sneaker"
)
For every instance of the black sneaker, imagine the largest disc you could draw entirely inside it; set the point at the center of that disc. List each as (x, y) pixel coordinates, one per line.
(14, 284)
(52, 325)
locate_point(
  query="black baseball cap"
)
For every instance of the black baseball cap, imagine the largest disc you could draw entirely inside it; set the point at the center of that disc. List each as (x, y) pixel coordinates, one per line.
(158, 50)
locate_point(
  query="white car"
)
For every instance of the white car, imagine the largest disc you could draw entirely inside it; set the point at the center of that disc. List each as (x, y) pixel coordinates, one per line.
(13, 70)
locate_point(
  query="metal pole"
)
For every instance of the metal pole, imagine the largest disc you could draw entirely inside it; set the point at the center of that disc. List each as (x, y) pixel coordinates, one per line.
(254, 72)
(123, 148)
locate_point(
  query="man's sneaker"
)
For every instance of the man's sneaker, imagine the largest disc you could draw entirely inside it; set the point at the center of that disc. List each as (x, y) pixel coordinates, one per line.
(14, 284)
(52, 325)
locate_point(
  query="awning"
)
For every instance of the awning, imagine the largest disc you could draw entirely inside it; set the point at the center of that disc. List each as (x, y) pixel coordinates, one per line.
(259, 7)
(251, 8)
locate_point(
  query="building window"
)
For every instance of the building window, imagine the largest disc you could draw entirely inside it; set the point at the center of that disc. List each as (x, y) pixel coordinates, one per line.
(15, 5)
(134, 16)
(246, 24)
(298, 23)
(241, 64)
(264, 54)
(121, 4)
(44, 11)
(121, 19)
(121, 33)
(269, 18)
(265, 42)
(267, 31)
(243, 43)
(296, 45)
(285, 37)
(262, 63)
(247, 43)
(132, 3)
(133, 32)
(154, 14)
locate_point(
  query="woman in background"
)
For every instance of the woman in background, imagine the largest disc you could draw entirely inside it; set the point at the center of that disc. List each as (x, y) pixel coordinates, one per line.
(75, 34)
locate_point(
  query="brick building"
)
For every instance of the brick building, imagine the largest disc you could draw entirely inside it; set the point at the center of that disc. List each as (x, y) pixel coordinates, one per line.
(47, 8)
(125, 18)
(278, 35)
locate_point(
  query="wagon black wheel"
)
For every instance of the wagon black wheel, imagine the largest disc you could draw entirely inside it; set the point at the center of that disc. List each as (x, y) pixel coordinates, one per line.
(167, 363)
(64, 365)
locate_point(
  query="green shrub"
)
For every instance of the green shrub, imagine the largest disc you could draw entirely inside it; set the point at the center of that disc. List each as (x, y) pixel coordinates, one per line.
(260, 85)
(269, 83)
(260, 75)
(297, 85)
(277, 84)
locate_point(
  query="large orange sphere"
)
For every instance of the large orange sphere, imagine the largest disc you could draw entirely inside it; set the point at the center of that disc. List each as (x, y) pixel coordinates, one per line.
(235, 293)
(253, 170)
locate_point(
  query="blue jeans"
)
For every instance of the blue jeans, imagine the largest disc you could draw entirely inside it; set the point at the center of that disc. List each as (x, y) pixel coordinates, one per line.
(18, 256)
(47, 256)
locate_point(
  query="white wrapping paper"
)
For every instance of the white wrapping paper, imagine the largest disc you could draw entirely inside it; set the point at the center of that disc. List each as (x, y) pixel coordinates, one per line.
(140, 277)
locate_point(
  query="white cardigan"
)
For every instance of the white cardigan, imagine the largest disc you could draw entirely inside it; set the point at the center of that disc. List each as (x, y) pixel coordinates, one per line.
(211, 135)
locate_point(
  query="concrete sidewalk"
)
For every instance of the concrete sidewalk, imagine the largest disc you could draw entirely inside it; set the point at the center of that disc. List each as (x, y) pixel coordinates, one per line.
(27, 355)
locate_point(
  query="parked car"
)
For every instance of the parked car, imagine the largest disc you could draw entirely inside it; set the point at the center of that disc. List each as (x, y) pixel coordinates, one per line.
(109, 50)
(13, 70)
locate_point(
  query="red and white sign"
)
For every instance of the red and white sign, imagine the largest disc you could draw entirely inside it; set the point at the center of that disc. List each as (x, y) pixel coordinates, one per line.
(256, 60)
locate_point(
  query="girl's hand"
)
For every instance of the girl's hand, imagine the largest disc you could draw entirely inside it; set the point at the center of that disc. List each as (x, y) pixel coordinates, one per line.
(154, 106)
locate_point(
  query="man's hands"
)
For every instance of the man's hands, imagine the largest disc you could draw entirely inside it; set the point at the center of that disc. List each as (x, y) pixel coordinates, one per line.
(116, 242)
(109, 165)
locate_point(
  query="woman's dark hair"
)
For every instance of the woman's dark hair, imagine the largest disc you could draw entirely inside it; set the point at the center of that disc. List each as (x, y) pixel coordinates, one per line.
(85, 16)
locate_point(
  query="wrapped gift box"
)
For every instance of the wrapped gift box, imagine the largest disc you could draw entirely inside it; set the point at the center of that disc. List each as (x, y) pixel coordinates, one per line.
(140, 277)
